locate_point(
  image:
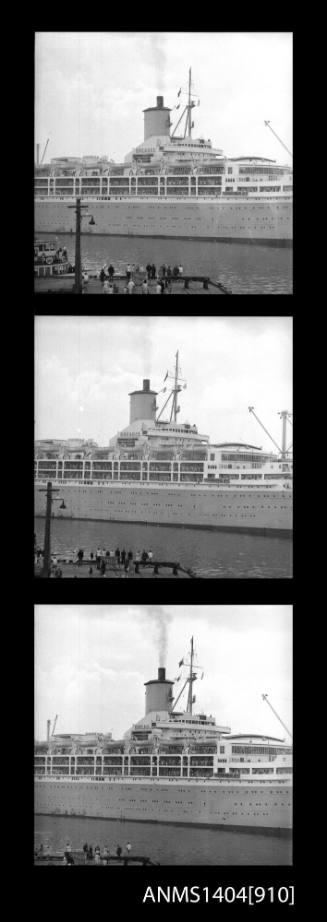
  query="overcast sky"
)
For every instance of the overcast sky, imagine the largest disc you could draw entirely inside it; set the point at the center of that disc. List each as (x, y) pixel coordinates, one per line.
(91, 663)
(91, 89)
(85, 368)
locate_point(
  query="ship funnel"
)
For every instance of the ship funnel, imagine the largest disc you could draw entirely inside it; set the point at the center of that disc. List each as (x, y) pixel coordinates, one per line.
(143, 403)
(159, 693)
(157, 120)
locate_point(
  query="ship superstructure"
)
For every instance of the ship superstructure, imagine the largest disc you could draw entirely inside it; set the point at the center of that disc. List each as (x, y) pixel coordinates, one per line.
(166, 472)
(171, 766)
(169, 185)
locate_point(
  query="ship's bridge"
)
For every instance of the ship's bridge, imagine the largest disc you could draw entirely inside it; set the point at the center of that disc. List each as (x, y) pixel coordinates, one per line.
(177, 724)
(173, 430)
(195, 724)
(158, 149)
(142, 432)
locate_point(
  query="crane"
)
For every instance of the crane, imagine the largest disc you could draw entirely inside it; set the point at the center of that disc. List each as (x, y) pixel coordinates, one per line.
(54, 725)
(251, 410)
(279, 139)
(265, 698)
(43, 155)
(285, 416)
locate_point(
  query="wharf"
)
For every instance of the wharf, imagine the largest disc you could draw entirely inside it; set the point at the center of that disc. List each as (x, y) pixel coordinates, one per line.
(78, 858)
(184, 285)
(88, 570)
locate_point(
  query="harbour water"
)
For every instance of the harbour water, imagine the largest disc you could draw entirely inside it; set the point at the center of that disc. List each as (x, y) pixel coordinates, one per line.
(211, 554)
(165, 843)
(245, 268)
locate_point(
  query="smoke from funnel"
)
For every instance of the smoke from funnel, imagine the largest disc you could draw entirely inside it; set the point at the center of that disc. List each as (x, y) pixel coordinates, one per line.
(161, 619)
(159, 57)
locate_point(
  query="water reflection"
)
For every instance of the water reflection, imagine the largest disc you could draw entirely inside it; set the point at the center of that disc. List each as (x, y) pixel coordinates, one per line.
(243, 267)
(166, 843)
(212, 554)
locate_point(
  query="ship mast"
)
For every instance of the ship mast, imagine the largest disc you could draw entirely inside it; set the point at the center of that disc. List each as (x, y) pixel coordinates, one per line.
(188, 109)
(189, 103)
(192, 678)
(175, 390)
(189, 123)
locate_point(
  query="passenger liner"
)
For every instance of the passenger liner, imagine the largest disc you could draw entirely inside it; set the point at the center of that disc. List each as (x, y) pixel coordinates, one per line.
(169, 186)
(163, 472)
(171, 767)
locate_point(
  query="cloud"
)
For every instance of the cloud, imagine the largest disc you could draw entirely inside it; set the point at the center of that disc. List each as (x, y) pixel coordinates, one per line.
(91, 663)
(104, 80)
(229, 364)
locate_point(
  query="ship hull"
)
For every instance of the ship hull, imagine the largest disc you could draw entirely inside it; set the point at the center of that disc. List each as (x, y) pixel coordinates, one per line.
(196, 507)
(204, 803)
(240, 221)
